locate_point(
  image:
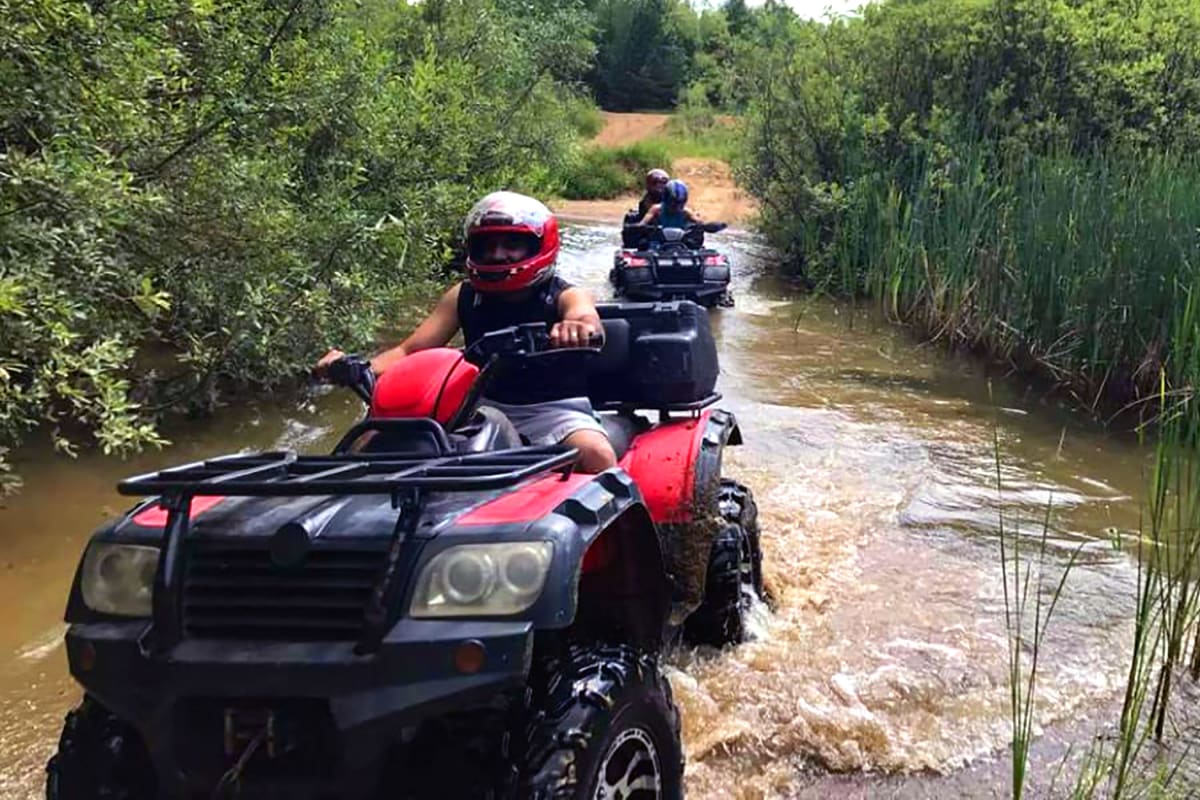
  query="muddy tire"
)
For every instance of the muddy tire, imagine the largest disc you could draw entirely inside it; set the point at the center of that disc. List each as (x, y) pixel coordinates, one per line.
(99, 758)
(606, 723)
(734, 581)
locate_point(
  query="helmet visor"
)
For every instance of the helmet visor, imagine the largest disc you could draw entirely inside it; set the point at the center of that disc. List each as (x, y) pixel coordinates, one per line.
(497, 248)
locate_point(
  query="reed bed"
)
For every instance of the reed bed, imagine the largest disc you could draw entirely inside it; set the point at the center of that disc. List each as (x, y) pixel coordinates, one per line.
(1085, 270)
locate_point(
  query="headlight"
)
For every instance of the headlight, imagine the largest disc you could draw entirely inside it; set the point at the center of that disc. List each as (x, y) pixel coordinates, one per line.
(482, 579)
(119, 578)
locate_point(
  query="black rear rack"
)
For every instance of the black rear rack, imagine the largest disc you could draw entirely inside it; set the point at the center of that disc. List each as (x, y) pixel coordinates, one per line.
(285, 474)
(694, 407)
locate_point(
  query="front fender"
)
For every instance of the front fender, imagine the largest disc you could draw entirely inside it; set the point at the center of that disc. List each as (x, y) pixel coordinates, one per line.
(677, 465)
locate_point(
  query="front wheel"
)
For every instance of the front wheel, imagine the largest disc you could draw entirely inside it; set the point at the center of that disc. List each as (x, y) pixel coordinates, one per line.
(99, 756)
(607, 727)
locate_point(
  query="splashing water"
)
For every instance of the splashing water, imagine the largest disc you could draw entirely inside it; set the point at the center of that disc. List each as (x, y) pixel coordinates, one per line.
(884, 649)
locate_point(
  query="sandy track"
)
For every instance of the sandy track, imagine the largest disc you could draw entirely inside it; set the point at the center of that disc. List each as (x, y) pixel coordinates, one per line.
(621, 129)
(714, 195)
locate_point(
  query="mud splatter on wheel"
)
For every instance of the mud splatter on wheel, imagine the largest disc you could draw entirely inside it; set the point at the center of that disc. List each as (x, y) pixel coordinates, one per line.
(607, 727)
(734, 580)
(99, 756)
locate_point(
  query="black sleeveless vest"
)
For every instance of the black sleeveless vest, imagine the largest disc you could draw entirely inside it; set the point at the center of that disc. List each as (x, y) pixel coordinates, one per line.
(480, 313)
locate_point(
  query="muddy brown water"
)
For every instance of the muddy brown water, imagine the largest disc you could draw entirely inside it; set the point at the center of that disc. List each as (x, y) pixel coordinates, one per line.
(872, 460)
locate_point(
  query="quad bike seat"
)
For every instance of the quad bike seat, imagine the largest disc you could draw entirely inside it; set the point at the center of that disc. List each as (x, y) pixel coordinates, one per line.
(486, 430)
(622, 428)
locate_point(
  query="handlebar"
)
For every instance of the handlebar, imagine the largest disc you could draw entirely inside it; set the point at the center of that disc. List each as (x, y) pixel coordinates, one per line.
(353, 372)
(655, 236)
(529, 340)
(695, 227)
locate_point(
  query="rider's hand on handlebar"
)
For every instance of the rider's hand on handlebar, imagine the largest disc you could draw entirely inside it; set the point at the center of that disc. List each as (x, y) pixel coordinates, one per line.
(321, 370)
(573, 333)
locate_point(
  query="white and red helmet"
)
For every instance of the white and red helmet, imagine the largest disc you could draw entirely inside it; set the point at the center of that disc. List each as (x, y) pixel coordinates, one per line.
(510, 213)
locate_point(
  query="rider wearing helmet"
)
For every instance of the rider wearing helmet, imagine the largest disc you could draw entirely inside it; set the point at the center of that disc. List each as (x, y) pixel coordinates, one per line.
(656, 181)
(512, 247)
(672, 211)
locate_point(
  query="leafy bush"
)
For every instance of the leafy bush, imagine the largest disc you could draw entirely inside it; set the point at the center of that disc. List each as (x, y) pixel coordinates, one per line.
(585, 118)
(205, 195)
(606, 172)
(943, 156)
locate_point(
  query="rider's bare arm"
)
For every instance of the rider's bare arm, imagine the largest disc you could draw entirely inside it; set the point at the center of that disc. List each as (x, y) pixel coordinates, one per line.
(435, 331)
(692, 216)
(652, 214)
(580, 320)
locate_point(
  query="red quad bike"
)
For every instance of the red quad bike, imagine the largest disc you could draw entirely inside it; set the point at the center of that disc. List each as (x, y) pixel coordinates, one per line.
(660, 264)
(434, 610)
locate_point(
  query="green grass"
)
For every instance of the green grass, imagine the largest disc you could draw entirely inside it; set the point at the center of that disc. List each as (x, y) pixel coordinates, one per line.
(597, 173)
(722, 146)
(605, 172)
(699, 133)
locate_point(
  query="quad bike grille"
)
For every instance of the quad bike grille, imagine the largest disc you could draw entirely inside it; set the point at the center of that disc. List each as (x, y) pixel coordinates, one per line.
(238, 592)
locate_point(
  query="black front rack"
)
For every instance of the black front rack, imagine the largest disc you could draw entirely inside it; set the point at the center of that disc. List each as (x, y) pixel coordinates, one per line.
(285, 474)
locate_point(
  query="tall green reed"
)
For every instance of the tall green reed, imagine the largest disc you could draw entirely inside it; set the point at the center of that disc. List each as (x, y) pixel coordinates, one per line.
(1166, 623)
(1085, 270)
(1082, 269)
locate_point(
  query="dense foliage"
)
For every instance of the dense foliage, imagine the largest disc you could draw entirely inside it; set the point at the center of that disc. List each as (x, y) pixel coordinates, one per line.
(605, 172)
(649, 52)
(1020, 176)
(198, 195)
(1013, 174)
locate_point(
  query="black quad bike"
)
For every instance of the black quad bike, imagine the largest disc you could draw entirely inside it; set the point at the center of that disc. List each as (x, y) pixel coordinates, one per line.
(435, 609)
(671, 264)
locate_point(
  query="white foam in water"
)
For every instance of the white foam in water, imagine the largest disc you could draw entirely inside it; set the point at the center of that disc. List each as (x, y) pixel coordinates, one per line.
(44, 645)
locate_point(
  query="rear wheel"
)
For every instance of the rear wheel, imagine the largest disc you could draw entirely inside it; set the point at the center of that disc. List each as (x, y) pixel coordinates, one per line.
(606, 727)
(734, 581)
(99, 756)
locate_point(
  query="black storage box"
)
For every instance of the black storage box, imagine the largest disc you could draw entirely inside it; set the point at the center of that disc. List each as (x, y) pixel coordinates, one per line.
(656, 355)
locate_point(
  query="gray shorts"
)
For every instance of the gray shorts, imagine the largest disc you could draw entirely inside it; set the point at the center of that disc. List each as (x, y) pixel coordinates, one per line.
(550, 423)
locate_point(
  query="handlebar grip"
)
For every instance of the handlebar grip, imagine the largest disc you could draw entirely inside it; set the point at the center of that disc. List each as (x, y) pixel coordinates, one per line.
(353, 372)
(345, 371)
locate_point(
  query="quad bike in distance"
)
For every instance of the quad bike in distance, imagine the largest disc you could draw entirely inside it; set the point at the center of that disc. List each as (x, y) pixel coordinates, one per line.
(659, 264)
(436, 608)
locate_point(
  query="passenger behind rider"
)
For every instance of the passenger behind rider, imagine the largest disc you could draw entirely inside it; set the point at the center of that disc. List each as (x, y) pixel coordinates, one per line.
(672, 211)
(512, 247)
(656, 181)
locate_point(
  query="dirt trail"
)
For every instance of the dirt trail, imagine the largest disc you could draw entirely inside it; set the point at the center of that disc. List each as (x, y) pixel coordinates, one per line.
(714, 195)
(622, 129)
